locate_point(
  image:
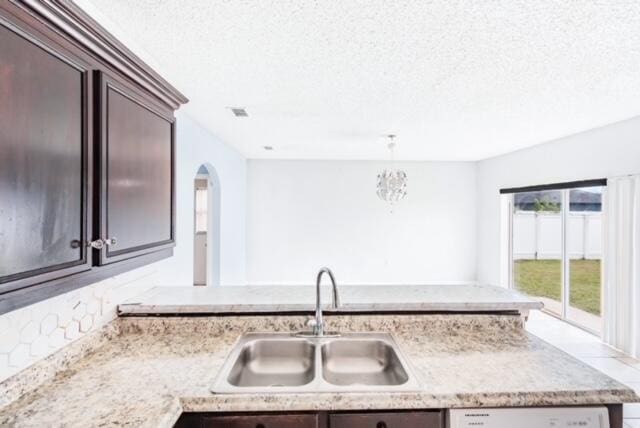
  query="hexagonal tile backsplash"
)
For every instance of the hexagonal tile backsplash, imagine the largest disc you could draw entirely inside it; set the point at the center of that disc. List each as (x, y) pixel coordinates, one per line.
(32, 333)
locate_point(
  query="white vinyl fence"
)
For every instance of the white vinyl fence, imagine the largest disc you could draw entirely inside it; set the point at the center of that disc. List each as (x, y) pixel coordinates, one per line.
(539, 235)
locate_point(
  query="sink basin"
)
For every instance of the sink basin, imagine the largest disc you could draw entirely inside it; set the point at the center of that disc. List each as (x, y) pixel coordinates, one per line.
(282, 362)
(274, 363)
(362, 362)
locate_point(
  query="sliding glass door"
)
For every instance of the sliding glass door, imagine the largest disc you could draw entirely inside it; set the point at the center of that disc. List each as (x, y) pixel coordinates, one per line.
(537, 246)
(556, 249)
(584, 257)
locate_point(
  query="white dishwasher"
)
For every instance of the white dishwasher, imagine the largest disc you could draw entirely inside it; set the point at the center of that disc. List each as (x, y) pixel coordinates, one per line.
(530, 417)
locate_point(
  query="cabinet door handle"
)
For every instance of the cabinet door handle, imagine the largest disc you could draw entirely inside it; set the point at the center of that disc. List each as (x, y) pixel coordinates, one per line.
(381, 424)
(98, 244)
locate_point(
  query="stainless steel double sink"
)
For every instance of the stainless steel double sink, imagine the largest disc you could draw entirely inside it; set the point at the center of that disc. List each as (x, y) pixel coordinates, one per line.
(283, 362)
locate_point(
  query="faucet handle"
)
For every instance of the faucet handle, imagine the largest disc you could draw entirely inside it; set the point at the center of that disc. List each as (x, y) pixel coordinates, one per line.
(316, 327)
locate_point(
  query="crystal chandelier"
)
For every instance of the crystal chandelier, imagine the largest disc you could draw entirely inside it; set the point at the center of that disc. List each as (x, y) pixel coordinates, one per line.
(392, 183)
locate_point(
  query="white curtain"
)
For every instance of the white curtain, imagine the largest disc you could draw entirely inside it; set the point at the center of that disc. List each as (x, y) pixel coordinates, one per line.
(621, 291)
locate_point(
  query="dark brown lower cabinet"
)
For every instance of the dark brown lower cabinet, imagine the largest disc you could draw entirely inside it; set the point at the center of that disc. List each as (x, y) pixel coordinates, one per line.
(208, 420)
(262, 421)
(401, 419)
(372, 419)
(433, 419)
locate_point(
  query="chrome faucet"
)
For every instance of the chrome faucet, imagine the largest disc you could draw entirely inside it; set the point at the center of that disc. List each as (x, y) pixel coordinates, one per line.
(318, 323)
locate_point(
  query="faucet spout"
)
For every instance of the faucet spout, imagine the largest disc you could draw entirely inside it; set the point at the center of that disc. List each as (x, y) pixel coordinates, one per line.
(318, 326)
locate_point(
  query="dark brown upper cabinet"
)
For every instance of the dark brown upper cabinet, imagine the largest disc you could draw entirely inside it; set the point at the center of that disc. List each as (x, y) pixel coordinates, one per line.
(45, 169)
(87, 153)
(136, 199)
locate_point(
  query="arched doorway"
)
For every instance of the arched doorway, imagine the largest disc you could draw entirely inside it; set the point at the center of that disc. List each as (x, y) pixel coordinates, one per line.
(206, 230)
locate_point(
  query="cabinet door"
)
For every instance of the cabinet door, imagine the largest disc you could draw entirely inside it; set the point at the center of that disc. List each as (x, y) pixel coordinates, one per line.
(44, 160)
(137, 195)
(261, 421)
(433, 419)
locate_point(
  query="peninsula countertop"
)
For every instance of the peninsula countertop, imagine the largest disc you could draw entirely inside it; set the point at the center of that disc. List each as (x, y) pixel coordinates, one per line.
(151, 369)
(354, 298)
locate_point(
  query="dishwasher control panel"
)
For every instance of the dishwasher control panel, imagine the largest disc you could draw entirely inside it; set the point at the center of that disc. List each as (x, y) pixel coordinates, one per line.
(530, 417)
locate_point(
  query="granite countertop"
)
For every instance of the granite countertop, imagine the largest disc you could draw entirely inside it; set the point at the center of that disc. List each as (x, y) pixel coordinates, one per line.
(354, 298)
(151, 369)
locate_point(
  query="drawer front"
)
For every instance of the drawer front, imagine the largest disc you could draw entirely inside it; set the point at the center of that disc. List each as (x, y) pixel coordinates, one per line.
(387, 420)
(261, 421)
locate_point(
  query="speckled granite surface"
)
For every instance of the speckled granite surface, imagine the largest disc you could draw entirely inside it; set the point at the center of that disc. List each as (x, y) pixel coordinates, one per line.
(354, 298)
(156, 368)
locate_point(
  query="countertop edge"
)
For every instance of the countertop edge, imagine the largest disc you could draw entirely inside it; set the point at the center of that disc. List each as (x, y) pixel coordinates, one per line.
(355, 298)
(403, 400)
(140, 308)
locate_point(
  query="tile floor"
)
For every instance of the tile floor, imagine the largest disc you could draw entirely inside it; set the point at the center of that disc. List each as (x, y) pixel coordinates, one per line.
(592, 351)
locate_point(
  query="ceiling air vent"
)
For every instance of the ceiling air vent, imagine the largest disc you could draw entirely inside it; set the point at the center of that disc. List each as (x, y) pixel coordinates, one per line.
(239, 112)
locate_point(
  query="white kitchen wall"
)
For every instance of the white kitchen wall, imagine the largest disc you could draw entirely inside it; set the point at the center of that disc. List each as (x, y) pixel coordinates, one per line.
(306, 214)
(34, 332)
(196, 146)
(608, 151)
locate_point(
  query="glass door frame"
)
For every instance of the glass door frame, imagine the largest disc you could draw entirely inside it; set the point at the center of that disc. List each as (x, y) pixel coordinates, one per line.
(565, 261)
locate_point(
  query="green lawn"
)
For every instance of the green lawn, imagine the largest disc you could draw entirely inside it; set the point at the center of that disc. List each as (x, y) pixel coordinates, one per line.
(543, 278)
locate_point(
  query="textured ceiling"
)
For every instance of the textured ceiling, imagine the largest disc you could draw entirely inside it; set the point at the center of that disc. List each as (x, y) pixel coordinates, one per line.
(456, 80)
